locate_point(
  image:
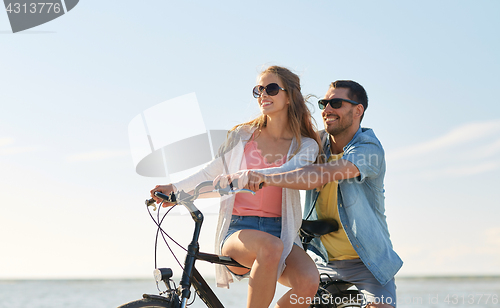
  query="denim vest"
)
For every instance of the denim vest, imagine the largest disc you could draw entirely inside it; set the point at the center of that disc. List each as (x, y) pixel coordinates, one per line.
(360, 203)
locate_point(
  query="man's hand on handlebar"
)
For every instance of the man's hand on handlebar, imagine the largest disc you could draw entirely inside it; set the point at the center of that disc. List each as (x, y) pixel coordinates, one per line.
(165, 189)
(256, 181)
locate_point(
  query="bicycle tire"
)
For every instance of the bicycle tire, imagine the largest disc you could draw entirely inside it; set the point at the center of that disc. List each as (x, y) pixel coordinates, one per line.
(148, 303)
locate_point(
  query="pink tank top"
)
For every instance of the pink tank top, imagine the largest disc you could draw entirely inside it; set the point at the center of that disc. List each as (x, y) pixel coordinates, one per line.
(267, 201)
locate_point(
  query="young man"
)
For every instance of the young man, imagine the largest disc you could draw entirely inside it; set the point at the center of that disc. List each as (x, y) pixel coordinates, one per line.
(349, 188)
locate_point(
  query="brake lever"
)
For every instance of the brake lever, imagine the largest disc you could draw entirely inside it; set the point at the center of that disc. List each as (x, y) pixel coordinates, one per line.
(169, 198)
(151, 202)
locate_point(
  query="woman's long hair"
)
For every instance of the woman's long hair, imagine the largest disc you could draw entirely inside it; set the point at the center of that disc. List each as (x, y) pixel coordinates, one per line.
(299, 116)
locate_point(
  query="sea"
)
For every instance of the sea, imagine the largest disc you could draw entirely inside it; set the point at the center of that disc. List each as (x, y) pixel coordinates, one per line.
(411, 292)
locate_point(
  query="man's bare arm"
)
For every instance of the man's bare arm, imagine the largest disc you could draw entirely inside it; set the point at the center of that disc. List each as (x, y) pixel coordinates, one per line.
(313, 176)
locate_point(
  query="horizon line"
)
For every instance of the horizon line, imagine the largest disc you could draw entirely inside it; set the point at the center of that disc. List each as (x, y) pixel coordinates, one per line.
(409, 277)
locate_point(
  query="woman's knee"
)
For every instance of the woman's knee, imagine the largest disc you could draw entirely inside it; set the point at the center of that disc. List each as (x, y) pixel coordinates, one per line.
(270, 248)
(311, 282)
(304, 275)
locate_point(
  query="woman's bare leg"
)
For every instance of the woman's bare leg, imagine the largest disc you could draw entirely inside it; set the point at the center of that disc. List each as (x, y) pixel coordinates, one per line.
(261, 252)
(302, 276)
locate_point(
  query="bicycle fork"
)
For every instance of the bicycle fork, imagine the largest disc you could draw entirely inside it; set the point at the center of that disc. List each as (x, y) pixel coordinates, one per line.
(193, 249)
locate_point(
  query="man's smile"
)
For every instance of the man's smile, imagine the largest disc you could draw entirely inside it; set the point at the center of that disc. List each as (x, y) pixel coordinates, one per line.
(330, 119)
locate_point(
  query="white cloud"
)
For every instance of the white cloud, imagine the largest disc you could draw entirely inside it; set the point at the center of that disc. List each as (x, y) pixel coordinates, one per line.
(454, 259)
(492, 236)
(15, 150)
(465, 134)
(488, 149)
(97, 155)
(470, 149)
(461, 170)
(7, 149)
(6, 141)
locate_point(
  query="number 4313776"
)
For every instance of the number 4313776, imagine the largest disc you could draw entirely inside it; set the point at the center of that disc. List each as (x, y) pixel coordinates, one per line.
(472, 299)
(33, 8)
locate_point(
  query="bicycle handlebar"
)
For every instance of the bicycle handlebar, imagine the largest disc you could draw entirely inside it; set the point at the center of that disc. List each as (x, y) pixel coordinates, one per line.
(183, 198)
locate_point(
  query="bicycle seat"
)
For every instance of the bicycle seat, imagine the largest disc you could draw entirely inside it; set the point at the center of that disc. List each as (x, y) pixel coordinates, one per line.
(319, 227)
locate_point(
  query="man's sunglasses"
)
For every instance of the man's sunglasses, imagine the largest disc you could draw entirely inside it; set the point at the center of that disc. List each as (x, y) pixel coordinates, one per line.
(335, 103)
(272, 89)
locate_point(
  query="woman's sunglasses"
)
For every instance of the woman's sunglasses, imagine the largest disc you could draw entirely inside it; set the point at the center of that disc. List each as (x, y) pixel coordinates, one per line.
(272, 89)
(335, 103)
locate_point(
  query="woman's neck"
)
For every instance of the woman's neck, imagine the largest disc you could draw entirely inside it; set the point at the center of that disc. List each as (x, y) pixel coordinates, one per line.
(278, 128)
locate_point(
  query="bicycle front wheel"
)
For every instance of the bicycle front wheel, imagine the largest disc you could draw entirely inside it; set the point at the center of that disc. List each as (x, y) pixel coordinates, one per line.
(150, 303)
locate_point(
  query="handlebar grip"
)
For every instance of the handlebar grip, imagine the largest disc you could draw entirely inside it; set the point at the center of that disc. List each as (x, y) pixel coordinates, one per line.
(233, 183)
(169, 198)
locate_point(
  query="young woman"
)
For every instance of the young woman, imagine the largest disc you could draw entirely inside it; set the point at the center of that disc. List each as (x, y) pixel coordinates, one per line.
(259, 231)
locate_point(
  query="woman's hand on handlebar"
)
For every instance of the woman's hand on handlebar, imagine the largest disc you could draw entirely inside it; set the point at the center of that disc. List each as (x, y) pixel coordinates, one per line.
(222, 181)
(165, 189)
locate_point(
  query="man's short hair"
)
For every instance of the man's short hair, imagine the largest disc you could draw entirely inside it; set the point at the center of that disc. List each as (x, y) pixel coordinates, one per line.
(356, 92)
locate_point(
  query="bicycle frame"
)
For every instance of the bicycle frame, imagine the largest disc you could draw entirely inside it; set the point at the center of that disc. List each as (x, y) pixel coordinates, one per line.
(190, 275)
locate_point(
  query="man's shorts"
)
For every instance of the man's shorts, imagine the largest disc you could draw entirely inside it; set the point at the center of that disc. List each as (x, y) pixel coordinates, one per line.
(355, 272)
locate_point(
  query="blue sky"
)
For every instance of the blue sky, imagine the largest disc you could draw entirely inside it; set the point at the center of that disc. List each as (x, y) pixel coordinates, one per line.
(71, 202)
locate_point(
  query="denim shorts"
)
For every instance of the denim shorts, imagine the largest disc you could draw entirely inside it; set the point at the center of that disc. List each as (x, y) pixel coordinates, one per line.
(271, 225)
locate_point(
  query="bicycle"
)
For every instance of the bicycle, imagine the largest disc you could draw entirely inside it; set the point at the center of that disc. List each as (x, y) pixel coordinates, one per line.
(329, 291)
(177, 298)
